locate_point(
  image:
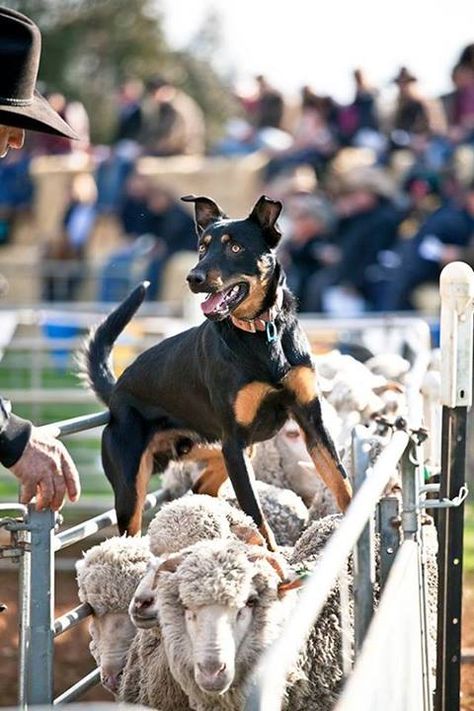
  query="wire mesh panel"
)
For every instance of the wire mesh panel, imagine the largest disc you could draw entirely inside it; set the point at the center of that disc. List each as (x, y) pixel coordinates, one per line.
(389, 673)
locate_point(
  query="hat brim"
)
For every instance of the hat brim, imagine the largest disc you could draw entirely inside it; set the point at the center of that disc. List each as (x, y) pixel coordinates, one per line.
(37, 116)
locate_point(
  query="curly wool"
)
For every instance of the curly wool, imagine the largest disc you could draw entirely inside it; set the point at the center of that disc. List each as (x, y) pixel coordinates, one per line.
(284, 510)
(194, 518)
(109, 573)
(147, 679)
(220, 572)
(179, 477)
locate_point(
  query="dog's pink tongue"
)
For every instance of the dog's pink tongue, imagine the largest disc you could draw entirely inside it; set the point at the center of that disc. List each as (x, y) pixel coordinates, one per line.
(212, 303)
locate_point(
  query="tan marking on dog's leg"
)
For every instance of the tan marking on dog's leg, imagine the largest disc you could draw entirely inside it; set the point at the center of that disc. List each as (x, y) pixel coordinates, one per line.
(301, 381)
(248, 535)
(248, 400)
(327, 469)
(267, 533)
(141, 486)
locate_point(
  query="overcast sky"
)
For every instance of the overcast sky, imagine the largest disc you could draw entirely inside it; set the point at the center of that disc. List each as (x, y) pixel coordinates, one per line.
(296, 42)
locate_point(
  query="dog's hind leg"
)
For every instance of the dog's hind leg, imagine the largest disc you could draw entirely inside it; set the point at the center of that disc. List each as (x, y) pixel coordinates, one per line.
(128, 466)
(301, 381)
(242, 478)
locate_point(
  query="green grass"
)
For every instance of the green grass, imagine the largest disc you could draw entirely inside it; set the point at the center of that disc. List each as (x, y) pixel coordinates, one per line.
(468, 560)
(15, 373)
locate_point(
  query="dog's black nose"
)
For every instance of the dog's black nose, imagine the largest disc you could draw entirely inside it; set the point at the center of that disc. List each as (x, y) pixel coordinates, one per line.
(196, 278)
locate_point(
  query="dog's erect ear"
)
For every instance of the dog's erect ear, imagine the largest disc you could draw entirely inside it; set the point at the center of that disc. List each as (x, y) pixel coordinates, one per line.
(205, 211)
(266, 212)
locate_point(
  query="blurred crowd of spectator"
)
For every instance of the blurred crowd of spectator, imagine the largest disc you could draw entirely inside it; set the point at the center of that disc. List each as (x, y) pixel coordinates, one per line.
(375, 202)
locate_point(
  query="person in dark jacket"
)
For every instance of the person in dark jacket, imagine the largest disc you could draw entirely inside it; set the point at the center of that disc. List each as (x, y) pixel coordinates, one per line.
(310, 246)
(368, 222)
(40, 462)
(172, 228)
(442, 238)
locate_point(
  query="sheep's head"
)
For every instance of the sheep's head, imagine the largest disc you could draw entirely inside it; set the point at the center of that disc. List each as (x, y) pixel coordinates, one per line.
(143, 608)
(111, 636)
(221, 603)
(186, 521)
(107, 577)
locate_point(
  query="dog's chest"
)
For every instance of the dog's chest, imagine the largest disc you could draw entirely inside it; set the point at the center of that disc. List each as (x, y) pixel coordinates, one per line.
(260, 405)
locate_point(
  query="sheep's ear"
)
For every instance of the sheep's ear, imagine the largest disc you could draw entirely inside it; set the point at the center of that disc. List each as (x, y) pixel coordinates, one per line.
(274, 562)
(205, 211)
(391, 385)
(170, 565)
(287, 585)
(80, 565)
(266, 212)
(248, 535)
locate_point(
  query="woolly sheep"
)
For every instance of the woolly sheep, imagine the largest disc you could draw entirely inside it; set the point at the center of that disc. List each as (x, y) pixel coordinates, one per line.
(147, 679)
(221, 603)
(179, 524)
(283, 508)
(107, 577)
(359, 393)
(213, 589)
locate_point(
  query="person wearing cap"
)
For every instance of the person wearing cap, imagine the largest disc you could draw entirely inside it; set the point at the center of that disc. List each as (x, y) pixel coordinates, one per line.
(41, 463)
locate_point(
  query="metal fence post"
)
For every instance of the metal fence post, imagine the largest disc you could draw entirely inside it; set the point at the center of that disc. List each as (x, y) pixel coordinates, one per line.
(457, 293)
(364, 568)
(39, 644)
(23, 617)
(389, 528)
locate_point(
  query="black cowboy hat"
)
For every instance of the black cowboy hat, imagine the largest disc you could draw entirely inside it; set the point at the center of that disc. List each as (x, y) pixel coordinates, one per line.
(404, 76)
(21, 105)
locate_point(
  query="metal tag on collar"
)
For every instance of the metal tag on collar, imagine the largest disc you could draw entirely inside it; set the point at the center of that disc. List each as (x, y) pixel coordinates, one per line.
(271, 331)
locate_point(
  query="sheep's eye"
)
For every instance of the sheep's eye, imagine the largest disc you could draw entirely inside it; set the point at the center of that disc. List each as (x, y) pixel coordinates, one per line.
(236, 248)
(202, 248)
(252, 601)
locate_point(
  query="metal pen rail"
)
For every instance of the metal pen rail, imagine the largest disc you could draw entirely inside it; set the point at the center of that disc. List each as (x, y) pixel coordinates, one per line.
(35, 542)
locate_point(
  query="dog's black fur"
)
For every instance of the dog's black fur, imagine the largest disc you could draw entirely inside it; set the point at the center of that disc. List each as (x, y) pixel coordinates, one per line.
(215, 382)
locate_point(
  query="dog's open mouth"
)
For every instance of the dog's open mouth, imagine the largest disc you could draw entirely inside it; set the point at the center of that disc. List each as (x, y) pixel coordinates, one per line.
(220, 304)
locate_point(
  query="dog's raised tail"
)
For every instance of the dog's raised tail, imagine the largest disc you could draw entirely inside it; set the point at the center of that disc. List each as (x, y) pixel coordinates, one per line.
(94, 366)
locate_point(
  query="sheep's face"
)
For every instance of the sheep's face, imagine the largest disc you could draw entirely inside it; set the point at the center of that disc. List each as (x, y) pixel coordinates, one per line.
(221, 604)
(215, 633)
(112, 635)
(143, 608)
(296, 461)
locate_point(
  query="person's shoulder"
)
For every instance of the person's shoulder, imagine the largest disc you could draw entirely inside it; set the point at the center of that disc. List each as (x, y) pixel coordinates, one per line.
(447, 220)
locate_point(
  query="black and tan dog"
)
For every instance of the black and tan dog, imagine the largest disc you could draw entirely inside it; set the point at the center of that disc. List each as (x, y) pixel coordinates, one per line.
(235, 378)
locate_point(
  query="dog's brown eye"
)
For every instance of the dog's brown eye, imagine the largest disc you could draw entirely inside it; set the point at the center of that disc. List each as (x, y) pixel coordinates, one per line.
(252, 601)
(236, 248)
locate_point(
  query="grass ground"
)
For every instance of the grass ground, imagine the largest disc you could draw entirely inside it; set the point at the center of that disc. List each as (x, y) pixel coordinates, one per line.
(469, 542)
(15, 373)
